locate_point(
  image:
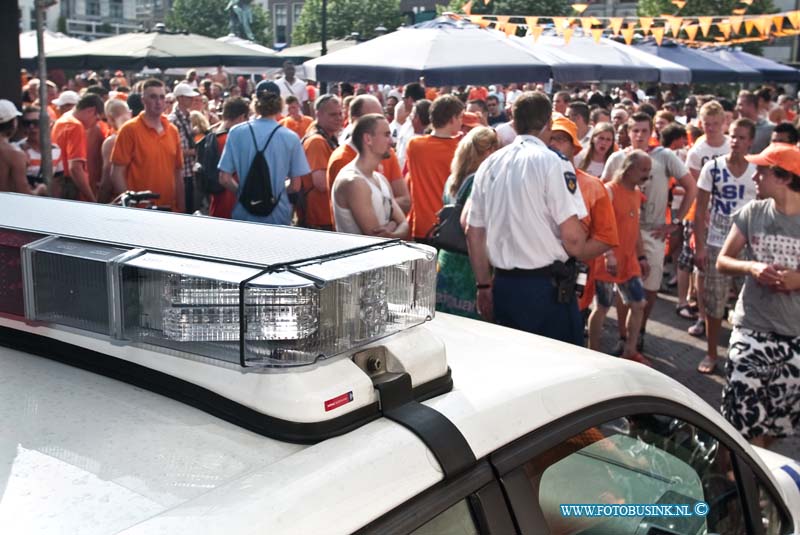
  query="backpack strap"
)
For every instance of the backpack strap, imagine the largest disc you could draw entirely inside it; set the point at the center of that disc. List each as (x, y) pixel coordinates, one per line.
(253, 135)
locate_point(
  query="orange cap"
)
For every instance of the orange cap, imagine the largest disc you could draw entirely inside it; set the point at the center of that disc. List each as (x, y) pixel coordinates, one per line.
(562, 124)
(470, 119)
(783, 155)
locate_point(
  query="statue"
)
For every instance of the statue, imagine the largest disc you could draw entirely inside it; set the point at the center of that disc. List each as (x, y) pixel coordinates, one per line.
(241, 16)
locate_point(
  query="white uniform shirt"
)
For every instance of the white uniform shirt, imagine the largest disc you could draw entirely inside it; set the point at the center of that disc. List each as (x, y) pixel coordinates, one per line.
(729, 193)
(666, 164)
(505, 133)
(701, 152)
(404, 135)
(521, 194)
(296, 88)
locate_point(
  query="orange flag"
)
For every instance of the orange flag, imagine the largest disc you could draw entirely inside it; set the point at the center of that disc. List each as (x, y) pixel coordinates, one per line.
(627, 33)
(467, 8)
(511, 29)
(675, 25)
(705, 24)
(794, 19)
(568, 35)
(531, 21)
(616, 24)
(559, 23)
(725, 29)
(761, 25)
(777, 20)
(502, 19)
(597, 33)
(736, 23)
(691, 31)
(475, 19)
(646, 23)
(536, 32)
(658, 35)
(748, 26)
(586, 24)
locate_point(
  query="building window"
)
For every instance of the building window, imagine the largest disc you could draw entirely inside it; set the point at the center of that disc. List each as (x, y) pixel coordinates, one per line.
(115, 10)
(281, 22)
(296, 10)
(93, 8)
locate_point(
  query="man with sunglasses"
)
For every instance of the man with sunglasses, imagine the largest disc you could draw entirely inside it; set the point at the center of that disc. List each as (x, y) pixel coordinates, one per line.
(33, 151)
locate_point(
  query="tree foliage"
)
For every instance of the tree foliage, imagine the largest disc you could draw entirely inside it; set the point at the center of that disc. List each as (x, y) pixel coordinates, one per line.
(535, 8)
(209, 18)
(346, 17)
(656, 8)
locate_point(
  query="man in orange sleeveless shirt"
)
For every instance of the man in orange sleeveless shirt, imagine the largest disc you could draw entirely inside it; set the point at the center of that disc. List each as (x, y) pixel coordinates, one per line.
(390, 168)
(600, 224)
(428, 160)
(318, 144)
(625, 265)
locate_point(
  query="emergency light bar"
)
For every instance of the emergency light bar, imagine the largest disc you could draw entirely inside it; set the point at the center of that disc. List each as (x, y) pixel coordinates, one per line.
(290, 314)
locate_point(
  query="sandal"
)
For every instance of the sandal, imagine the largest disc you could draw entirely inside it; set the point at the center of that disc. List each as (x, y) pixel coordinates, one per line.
(708, 365)
(638, 357)
(686, 312)
(698, 329)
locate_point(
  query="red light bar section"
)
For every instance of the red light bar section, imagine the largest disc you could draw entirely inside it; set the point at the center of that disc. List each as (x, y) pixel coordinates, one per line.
(11, 283)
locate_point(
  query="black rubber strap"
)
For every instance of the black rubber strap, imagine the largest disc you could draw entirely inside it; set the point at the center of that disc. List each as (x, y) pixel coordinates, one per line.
(439, 434)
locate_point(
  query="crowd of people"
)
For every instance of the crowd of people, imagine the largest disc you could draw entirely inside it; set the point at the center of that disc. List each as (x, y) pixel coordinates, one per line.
(569, 206)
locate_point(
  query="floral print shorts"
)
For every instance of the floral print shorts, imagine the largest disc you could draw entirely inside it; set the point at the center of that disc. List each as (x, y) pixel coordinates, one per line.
(762, 395)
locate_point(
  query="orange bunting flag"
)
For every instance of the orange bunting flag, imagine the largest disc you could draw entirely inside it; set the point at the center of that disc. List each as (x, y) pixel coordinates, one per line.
(646, 23)
(691, 31)
(627, 33)
(467, 8)
(616, 24)
(475, 19)
(736, 23)
(531, 21)
(568, 35)
(746, 2)
(586, 24)
(679, 4)
(597, 33)
(725, 29)
(794, 19)
(558, 22)
(748, 26)
(536, 32)
(762, 24)
(658, 35)
(511, 29)
(705, 24)
(777, 20)
(503, 19)
(499, 27)
(675, 25)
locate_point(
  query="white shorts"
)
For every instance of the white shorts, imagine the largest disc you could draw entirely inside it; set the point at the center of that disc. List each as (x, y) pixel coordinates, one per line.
(654, 250)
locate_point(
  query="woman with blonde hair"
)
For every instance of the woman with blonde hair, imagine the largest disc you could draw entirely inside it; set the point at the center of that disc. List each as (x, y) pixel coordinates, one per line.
(455, 286)
(592, 159)
(200, 125)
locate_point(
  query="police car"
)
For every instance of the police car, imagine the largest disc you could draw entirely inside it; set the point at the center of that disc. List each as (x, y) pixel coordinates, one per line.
(173, 374)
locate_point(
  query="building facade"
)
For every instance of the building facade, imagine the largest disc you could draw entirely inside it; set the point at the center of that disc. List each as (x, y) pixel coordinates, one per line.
(91, 19)
(284, 15)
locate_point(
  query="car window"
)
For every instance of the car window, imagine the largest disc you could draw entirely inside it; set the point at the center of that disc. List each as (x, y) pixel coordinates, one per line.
(645, 459)
(771, 516)
(457, 520)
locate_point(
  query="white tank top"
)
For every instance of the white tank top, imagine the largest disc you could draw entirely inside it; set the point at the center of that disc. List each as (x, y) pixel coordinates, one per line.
(381, 200)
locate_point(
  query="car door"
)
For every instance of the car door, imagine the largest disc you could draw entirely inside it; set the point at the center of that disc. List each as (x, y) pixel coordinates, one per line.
(596, 472)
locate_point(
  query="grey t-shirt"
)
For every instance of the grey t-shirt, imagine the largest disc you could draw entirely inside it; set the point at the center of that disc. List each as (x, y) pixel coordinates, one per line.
(772, 238)
(764, 130)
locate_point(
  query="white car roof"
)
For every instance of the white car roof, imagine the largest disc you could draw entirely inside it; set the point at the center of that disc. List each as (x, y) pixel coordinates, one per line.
(92, 455)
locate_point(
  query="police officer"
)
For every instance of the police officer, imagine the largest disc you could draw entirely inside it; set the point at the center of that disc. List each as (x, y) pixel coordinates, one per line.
(524, 221)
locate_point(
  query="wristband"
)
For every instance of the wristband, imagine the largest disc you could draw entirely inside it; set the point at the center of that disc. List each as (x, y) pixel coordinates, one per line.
(642, 258)
(483, 286)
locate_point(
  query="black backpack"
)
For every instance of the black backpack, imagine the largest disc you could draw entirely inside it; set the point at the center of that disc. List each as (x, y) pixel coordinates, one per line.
(208, 156)
(257, 196)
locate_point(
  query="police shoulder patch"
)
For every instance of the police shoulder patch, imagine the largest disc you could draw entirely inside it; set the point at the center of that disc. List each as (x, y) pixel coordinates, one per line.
(572, 181)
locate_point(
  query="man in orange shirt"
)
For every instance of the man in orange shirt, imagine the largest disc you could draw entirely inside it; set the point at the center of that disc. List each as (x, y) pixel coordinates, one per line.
(624, 266)
(147, 154)
(600, 223)
(319, 144)
(69, 133)
(428, 162)
(295, 120)
(346, 152)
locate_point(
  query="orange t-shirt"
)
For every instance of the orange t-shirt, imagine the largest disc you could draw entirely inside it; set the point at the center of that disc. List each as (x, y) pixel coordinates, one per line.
(298, 127)
(344, 154)
(627, 205)
(68, 133)
(428, 159)
(600, 224)
(318, 203)
(151, 157)
(431, 93)
(222, 204)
